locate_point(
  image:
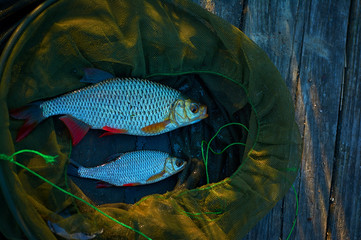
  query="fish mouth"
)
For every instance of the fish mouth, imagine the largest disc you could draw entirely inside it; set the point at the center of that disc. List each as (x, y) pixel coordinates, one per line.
(183, 166)
(202, 116)
(204, 112)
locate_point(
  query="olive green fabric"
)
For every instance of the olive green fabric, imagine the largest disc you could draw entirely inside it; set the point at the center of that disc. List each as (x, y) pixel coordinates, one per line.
(179, 44)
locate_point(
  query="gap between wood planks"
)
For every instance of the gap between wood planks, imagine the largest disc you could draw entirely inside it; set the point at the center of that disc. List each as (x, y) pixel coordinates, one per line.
(332, 221)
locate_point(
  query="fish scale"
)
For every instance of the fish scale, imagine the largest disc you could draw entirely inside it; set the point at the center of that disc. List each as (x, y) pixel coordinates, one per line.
(117, 103)
(131, 106)
(133, 167)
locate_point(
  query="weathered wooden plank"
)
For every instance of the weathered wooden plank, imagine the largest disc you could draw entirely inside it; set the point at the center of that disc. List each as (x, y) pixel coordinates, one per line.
(316, 52)
(229, 10)
(306, 41)
(321, 75)
(344, 220)
(276, 26)
(273, 26)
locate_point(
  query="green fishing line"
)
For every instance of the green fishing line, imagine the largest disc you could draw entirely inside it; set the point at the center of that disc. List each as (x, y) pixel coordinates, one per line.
(205, 154)
(198, 215)
(47, 158)
(51, 159)
(295, 220)
(205, 159)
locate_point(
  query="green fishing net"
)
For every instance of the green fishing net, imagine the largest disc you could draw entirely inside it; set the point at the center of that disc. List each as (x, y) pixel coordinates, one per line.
(242, 159)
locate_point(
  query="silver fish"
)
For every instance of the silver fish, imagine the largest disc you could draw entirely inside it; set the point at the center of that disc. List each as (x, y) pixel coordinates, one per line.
(131, 106)
(132, 168)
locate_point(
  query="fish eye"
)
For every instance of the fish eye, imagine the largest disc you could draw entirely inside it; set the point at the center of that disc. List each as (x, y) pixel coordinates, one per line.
(178, 162)
(194, 108)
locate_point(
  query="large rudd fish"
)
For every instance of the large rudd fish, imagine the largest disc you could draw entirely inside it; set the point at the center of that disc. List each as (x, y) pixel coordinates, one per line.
(131, 169)
(131, 106)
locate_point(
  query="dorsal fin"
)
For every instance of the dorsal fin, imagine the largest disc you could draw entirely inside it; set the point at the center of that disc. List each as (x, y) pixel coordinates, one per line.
(93, 75)
(112, 158)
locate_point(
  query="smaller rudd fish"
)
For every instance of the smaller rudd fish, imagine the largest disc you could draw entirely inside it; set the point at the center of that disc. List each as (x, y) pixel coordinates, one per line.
(118, 106)
(130, 169)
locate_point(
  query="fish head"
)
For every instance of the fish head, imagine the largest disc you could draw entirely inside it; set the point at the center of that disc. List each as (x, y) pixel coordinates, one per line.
(187, 111)
(174, 165)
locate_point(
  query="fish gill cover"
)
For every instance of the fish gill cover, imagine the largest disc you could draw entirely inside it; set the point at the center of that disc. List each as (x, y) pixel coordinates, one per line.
(178, 44)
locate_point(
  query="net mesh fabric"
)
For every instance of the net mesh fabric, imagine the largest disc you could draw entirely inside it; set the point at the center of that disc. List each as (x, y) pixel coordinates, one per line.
(179, 44)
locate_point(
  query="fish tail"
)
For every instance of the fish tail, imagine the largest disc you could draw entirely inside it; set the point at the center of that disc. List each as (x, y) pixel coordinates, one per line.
(73, 168)
(32, 114)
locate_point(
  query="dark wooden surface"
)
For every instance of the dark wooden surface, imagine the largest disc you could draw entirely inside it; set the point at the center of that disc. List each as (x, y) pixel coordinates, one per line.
(316, 45)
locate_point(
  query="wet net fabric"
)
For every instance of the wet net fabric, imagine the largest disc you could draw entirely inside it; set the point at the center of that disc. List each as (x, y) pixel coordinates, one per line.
(181, 45)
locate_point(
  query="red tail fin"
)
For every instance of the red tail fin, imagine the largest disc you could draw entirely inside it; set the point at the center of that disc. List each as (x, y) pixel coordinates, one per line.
(32, 114)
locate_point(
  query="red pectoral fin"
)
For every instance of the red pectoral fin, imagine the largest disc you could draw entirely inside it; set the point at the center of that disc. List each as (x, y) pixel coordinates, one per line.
(102, 184)
(111, 131)
(156, 127)
(77, 128)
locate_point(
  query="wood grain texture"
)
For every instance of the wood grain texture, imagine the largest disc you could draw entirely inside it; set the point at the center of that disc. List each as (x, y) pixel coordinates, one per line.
(229, 10)
(345, 211)
(277, 27)
(306, 40)
(321, 73)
